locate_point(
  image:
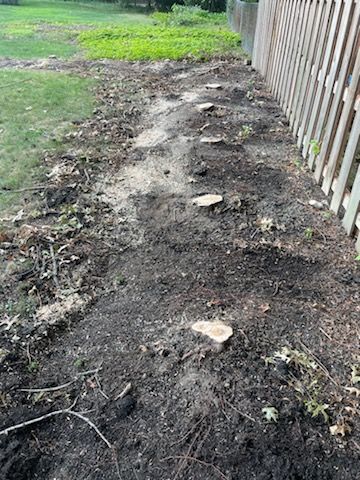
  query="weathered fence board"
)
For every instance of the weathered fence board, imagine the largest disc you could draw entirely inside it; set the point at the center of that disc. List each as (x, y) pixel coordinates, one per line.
(309, 53)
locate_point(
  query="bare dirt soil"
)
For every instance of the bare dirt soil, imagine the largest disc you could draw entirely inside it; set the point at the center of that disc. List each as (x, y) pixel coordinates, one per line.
(120, 263)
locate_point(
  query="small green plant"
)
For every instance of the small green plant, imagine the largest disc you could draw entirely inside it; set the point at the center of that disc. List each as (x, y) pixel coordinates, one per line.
(328, 214)
(68, 220)
(293, 357)
(250, 95)
(298, 163)
(120, 279)
(357, 258)
(315, 147)
(33, 366)
(309, 233)
(315, 408)
(271, 414)
(305, 377)
(80, 363)
(245, 132)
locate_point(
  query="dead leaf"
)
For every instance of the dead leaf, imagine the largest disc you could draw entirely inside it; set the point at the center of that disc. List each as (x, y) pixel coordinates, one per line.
(271, 414)
(353, 391)
(340, 429)
(264, 307)
(265, 224)
(240, 243)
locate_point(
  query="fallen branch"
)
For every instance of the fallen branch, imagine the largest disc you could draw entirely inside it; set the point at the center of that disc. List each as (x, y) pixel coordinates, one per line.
(66, 411)
(48, 389)
(55, 269)
(59, 387)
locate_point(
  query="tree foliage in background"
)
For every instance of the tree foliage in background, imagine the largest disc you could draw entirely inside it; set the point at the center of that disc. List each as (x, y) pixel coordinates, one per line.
(9, 2)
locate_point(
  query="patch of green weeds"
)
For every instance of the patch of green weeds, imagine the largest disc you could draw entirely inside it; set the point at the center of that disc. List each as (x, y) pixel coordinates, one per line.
(183, 16)
(120, 279)
(309, 233)
(245, 132)
(80, 363)
(156, 43)
(33, 366)
(315, 147)
(24, 306)
(68, 220)
(315, 408)
(298, 163)
(305, 377)
(328, 214)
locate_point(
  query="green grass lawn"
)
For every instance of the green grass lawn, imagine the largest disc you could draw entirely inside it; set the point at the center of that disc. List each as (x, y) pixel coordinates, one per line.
(66, 12)
(34, 104)
(183, 33)
(157, 43)
(33, 107)
(37, 29)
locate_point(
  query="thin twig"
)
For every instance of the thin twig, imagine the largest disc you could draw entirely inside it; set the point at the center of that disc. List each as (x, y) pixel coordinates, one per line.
(87, 175)
(189, 432)
(36, 420)
(276, 290)
(125, 391)
(245, 415)
(183, 462)
(55, 269)
(91, 424)
(206, 464)
(48, 389)
(59, 387)
(326, 334)
(66, 411)
(100, 389)
(320, 364)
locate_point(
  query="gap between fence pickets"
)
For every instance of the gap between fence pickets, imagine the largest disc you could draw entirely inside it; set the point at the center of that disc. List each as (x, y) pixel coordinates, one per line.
(302, 74)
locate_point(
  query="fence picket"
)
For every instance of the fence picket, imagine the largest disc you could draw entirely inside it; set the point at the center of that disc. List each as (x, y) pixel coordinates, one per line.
(307, 50)
(346, 165)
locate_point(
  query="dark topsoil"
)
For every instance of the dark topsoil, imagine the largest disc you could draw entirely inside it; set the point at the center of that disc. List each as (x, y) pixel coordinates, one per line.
(158, 264)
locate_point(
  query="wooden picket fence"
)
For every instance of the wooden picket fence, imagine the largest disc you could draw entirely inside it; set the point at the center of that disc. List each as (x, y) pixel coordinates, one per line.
(309, 53)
